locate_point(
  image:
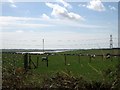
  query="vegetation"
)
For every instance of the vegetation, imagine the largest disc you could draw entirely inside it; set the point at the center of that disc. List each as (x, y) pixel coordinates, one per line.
(74, 75)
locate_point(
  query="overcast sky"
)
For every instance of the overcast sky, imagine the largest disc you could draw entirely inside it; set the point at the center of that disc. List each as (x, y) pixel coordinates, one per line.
(61, 24)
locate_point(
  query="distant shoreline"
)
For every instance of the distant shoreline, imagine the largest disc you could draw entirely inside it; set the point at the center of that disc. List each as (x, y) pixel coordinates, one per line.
(48, 50)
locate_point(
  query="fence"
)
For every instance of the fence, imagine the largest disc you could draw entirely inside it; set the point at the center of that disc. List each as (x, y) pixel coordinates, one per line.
(32, 60)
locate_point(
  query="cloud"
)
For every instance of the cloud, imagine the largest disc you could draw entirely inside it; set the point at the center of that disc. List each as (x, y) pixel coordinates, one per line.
(44, 16)
(57, 10)
(19, 31)
(61, 12)
(65, 3)
(82, 5)
(13, 19)
(13, 26)
(23, 22)
(96, 5)
(12, 23)
(12, 3)
(72, 15)
(112, 8)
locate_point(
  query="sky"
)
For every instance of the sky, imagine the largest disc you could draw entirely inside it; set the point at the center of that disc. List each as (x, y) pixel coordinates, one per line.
(62, 24)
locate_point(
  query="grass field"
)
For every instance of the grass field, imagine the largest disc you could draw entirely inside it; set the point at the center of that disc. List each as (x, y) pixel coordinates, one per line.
(56, 63)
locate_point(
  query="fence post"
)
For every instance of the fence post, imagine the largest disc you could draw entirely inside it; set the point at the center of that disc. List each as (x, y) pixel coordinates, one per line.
(65, 58)
(26, 61)
(47, 61)
(29, 62)
(78, 58)
(89, 58)
(102, 57)
(14, 62)
(37, 61)
(111, 57)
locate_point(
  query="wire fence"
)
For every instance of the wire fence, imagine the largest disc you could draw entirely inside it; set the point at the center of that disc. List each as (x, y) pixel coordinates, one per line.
(35, 60)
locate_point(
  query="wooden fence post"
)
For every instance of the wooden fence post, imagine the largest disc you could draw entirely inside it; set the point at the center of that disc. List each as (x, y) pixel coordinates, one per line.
(29, 62)
(37, 61)
(47, 62)
(26, 61)
(102, 57)
(65, 58)
(14, 62)
(79, 58)
(111, 57)
(89, 58)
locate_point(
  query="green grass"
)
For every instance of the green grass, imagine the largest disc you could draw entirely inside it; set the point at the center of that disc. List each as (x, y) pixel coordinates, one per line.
(89, 70)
